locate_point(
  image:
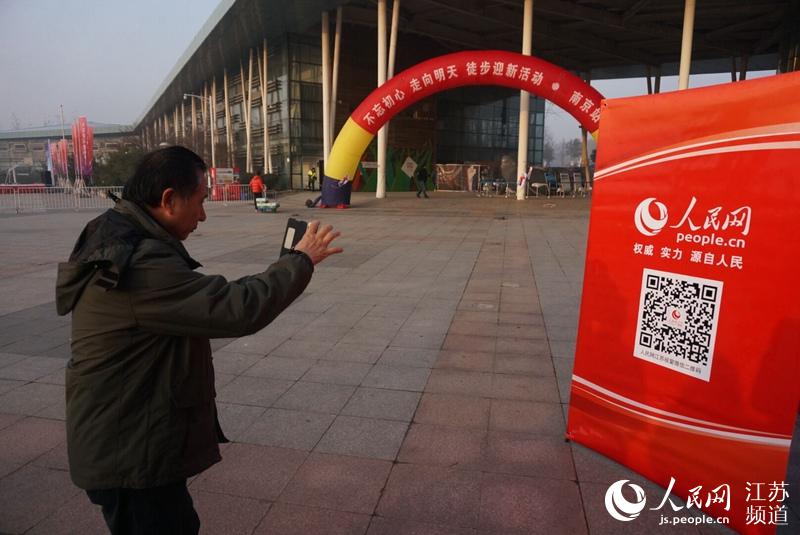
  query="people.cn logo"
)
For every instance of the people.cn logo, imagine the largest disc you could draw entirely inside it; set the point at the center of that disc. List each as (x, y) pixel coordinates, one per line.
(618, 505)
(644, 220)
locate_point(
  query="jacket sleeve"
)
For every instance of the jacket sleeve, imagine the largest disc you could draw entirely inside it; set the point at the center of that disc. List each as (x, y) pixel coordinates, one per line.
(167, 297)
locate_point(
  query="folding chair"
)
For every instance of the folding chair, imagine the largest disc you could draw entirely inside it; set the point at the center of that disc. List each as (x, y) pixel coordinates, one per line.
(564, 185)
(580, 184)
(552, 182)
(536, 182)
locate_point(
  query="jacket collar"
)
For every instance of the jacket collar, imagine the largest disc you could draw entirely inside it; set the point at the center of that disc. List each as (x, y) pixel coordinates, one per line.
(150, 226)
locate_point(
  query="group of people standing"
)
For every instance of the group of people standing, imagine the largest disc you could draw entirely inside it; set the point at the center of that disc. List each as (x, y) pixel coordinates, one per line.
(258, 188)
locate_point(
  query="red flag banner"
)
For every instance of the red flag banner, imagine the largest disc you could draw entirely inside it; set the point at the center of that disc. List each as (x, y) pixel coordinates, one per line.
(686, 361)
(76, 149)
(85, 134)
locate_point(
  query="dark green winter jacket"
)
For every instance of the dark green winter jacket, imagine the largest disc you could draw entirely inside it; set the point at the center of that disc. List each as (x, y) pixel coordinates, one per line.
(140, 383)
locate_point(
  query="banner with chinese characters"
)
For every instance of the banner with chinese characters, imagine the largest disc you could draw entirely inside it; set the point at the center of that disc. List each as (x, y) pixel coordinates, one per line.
(480, 67)
(473, 67)
(686, 362)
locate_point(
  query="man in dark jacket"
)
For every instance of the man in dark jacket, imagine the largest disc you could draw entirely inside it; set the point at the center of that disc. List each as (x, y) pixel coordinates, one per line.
(422, 179)
(141, 416)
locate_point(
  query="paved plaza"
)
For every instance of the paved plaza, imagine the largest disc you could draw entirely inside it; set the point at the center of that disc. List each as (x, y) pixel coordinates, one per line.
(419, 386)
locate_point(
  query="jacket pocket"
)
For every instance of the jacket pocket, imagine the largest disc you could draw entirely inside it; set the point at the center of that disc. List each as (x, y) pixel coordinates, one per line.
(196, 384)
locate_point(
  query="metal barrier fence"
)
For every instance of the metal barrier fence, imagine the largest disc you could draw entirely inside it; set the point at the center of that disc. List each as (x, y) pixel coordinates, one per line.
(38, 198)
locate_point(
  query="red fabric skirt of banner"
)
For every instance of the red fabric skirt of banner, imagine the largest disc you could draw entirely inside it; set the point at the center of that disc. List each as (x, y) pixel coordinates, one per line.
(686, 362)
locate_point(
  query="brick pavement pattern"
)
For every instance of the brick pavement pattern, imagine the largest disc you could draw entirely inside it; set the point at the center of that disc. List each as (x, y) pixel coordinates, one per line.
(420, 385)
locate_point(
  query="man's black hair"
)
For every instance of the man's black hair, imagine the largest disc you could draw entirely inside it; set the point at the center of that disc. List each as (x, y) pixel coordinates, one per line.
(172, 167)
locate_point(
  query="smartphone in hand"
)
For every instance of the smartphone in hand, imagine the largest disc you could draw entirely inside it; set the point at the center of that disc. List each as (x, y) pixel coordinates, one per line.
(295, 228)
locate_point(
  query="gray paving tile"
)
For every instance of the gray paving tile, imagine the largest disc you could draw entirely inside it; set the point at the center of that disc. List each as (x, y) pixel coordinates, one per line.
(465, 360)
(432, 494)
(397, 378)
(363, 437)
(316, 397)
(289, 519)
(63, 351)
(523, 346)
(222, 513)
(8, 385)
(234, 363)
(438, 445)
(30, 494)
(290, 369)
(75, 516)
(337, 372)
(302, 349)
(236, 419)
(31, 398)
(56, 458)
(525, 387)
(601, 522)
(259, 344)
(221, 380)
(55, 378)
(37, 344)
(56, 411)
(525, 504)
(562, 349)
(405, 356)
(332, 333)
(470, 342)
(251, 471)
(515, 364)
(347, 350)
(530, 455)
(7, 359)
(31, 368)
(383, 404)
(453, 410)
(8, 419)
(418, 338)
(338, 483)
(300, 430)
(460, 382)
(253, 391)
(394, 526)
(526, 417)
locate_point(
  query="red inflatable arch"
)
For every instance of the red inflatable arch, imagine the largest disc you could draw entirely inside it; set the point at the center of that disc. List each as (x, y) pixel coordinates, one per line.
(475, 67)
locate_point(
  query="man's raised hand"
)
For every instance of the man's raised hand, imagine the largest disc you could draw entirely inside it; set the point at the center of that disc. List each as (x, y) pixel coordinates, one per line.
(316, 242)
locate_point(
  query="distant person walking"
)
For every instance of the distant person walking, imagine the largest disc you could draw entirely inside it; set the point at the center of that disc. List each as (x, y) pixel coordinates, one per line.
(312, 178)
(422, 178)
(257, 187)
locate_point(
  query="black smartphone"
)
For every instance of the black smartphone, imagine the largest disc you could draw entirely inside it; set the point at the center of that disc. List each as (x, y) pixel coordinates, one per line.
(295, 228)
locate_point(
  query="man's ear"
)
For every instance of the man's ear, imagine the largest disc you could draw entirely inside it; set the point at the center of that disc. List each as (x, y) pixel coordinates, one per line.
(168, 200)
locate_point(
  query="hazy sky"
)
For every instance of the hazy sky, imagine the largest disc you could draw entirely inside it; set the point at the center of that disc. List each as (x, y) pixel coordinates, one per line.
(560, 125)
(100, 58)
(106, 59)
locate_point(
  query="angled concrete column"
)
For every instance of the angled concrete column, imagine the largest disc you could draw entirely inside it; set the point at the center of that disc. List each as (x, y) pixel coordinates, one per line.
(524, 106)
(337, 38)
(326, 88)
(262, 74)
(380, 189)
(686, 44)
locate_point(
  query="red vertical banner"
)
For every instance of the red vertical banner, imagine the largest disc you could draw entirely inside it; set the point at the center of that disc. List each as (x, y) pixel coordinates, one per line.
(76, 149)
(686, 362)
(86, 146)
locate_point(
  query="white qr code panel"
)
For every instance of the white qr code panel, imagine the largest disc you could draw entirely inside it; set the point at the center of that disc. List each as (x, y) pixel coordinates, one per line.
(677, 322)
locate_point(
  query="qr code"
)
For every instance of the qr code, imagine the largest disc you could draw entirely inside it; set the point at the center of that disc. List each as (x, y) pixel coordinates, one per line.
(677, 322)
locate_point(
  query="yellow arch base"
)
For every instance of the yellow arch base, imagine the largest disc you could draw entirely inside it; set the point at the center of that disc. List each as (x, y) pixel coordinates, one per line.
(346, 152)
